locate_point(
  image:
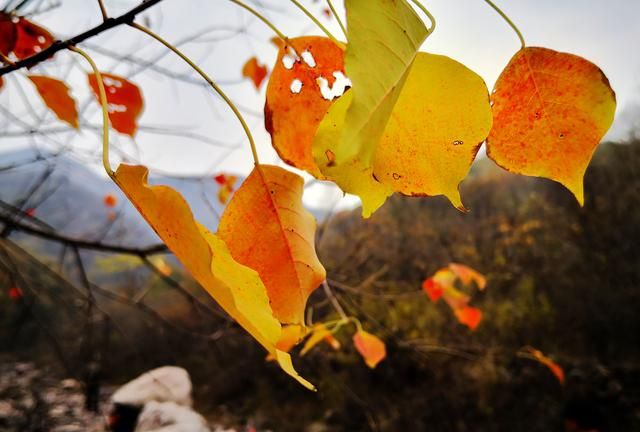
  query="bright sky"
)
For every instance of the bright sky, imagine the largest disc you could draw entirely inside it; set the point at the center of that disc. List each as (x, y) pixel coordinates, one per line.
(605, 32)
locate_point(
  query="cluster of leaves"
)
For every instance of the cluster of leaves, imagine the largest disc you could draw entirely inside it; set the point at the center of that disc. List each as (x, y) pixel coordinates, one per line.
(376, 116)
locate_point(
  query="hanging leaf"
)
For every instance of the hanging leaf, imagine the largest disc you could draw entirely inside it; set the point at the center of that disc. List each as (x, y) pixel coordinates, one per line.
(267, 229)
(537, 355)
(295, 104)
(254, 71)
(435, 130)
(237, 288)
(550, 111)
(30, 38)
(370, 347)
(384, 37)
(55, 94)
(124, 99)
(319, 333)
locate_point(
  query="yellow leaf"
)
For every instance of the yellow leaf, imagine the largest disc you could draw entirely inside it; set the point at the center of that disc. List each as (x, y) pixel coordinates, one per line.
(237, 288)
(267, 229)
(550, 111)
(384, 37)
(435, 130)
(319, 333)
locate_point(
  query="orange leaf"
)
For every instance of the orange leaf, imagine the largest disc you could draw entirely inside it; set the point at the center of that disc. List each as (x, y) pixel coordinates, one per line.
(254, 71)
(370, 347)
(292, 117)
(267, 229)
(468, 275)
(278, 42)
(469, 316)
(227, 183)
(433, 289)
(55, 94)
(238, 289)
(537, 355)
(124, 99)
(110, 200)
(30, 39)
(550, 111)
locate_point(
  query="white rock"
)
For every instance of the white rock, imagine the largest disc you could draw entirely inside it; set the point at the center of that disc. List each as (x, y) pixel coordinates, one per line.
(170, 417)
(165, 384)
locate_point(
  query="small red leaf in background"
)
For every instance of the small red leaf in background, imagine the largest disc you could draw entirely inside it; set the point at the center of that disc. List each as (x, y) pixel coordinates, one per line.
(433, 289)
(327, 13)
(537, 355)
(31, 212)
(15, 293)
(7, 33)
(30, 39)
(55, 94)
(1, 83)
(370, 347)
(469, 316)
(110, 200)
(227, 186)
(254, 71)
(124, 99)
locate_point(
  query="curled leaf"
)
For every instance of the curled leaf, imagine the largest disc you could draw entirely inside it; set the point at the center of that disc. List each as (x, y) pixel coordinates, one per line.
(276, 238)
(383, 40)
(435, 130)
(254, 71)
(124, 99)
(55, 94)
(370, 347)
(550, 111)
(237, 288)
(292, 118)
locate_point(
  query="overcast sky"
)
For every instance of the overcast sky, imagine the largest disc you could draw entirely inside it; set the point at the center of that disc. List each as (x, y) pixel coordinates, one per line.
(603, 31)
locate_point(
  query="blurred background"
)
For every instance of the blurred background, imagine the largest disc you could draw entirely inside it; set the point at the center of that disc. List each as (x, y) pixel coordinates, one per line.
(88, 292)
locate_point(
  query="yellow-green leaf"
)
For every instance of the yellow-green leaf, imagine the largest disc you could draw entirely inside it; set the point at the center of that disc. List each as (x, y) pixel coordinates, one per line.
(435, 130)
(384, 37)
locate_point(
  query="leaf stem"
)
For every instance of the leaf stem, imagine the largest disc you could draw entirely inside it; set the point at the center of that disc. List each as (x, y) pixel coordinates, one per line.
(337, 17)
(315, 21)
(260, 17)
(334, 301)
(103, 10)
(428, 14)
(208, 79)
(105, 111)
(506, 18)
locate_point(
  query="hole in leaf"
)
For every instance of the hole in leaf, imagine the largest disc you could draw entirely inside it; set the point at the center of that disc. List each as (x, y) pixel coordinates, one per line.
(458, 142)
(307, 57)
(296, 86)
(340, 85)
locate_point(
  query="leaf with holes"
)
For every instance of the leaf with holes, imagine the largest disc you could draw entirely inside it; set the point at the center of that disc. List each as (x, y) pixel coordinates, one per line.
(435, 130)
(254, 71)
(237, 288)
(55, 94)
(384, 38)
(301, 88)
(30, 38)
(124, 99)
(267, 229)
(370, 347)
(550, 111)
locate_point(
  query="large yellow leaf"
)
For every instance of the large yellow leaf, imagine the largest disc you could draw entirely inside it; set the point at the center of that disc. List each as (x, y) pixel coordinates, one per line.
(267, 229)
(550, 111)
(292, 117)
(384, 37)
(237, 288)
(435, 130)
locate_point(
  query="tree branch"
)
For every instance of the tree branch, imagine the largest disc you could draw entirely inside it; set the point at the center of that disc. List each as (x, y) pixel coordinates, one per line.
(59, 45)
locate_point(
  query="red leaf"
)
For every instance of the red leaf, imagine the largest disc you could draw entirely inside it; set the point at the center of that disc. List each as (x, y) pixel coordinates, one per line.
(125, 101)
(433, 289)
(469, 316)
(110, 200)
(30, 39)
(7, 33)
(55, 94)
(254, 71)
(31, 212)
(220, 179)
(15, 293)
